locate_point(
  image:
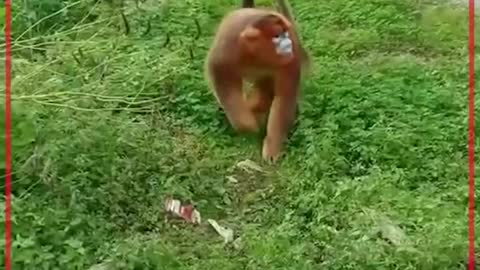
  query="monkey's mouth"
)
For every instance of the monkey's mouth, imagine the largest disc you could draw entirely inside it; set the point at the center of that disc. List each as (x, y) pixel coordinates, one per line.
(283, 44)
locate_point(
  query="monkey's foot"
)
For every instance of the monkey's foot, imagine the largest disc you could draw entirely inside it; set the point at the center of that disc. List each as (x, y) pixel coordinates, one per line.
(271, 152)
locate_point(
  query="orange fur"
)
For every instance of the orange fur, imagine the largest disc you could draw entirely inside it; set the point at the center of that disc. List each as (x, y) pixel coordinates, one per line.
(243, 50)
(283, 7)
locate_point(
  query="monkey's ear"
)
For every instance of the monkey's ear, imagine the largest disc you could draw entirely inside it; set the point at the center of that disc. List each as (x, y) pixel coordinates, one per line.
(250, 33)
(249, 38)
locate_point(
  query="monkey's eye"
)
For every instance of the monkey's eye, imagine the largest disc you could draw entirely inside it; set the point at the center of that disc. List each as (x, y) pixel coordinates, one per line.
(283, 34)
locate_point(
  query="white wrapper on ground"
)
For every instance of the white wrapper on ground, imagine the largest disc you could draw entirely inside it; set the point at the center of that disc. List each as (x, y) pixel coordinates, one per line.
(249, 166)
(226, 233)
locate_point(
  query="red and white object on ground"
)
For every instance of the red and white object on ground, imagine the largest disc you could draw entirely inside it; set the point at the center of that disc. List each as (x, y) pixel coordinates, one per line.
(187, 212)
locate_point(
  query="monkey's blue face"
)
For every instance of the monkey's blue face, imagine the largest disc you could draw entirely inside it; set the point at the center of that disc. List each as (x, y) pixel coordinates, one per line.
(283, 44)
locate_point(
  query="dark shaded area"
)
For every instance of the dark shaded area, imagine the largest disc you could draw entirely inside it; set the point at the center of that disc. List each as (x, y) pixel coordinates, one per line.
(247, 3)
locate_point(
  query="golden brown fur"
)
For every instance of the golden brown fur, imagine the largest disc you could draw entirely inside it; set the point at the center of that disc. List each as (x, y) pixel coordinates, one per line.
(284, 8)
(243, 50)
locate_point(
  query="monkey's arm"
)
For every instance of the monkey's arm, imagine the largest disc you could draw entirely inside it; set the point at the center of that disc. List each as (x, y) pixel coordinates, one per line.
(282, 112)
(227, 86)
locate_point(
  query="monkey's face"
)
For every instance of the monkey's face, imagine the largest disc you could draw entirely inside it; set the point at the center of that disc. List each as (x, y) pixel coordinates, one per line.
(269, 41)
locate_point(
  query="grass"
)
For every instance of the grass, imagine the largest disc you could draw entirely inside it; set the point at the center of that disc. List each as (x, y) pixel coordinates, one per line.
(107, 125)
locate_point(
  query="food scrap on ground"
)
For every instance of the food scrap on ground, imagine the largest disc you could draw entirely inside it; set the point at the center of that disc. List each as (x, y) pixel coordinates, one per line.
(249, 166)
(226, 233)
(238, 244)
(190, 214)
(392, 233)
(187, 212)
(232, 179)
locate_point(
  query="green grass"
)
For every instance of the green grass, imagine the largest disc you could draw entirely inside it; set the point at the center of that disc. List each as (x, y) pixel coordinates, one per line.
(107, 125)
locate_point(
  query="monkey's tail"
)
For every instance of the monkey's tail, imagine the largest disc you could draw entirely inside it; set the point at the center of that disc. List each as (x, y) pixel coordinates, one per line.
(284, 7)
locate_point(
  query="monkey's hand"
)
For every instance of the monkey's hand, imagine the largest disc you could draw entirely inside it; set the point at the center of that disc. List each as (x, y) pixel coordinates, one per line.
(271, 151)
(282, 114)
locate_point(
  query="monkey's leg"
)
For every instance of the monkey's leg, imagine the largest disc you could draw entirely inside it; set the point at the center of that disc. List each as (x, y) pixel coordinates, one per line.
(282, 114)
(229, 93)
(261, 98)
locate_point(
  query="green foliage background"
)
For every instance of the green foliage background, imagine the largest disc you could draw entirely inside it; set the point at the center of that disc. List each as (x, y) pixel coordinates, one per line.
(107, 124)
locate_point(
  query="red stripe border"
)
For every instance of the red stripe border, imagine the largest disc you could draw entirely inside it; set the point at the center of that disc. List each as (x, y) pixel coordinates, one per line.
(471, 138)
(8, 149)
